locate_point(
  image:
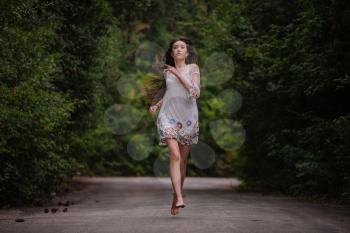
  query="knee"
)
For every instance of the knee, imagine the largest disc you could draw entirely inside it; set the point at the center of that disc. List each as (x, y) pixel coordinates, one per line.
(175, 156)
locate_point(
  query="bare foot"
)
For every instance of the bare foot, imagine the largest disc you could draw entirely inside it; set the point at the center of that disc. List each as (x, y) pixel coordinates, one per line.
(174, 210)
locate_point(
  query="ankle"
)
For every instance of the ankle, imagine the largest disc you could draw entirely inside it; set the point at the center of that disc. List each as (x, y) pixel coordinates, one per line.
(179, 199)
(183, 195)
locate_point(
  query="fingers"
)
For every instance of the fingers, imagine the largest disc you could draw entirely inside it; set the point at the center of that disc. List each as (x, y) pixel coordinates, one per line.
(169, 67)
(172, 70)
(152, 110)
(152, 113)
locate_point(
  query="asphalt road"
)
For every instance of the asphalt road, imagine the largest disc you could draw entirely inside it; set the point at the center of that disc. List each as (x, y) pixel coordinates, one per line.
(135, 204)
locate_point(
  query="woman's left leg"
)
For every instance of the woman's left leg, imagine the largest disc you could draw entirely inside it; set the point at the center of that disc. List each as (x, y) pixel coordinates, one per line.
(184, 151)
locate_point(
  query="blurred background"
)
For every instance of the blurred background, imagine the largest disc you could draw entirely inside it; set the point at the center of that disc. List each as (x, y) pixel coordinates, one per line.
(274, 104)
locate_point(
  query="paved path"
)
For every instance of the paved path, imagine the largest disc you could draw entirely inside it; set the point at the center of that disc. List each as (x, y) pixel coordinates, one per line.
(134, 204)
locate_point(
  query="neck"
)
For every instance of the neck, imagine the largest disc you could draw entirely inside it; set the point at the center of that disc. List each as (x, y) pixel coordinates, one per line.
(180, 64)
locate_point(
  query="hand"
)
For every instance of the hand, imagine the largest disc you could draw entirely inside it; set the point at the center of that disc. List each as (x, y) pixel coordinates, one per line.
(171, 69)
(153, 109)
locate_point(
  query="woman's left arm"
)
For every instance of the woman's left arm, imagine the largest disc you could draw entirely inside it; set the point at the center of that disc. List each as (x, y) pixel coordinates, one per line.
(193, 87)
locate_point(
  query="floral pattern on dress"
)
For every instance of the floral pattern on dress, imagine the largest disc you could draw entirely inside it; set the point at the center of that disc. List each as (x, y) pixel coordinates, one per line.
(185, 134)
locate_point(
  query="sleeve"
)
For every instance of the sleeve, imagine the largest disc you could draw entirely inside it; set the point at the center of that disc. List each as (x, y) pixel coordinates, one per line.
(194, 90)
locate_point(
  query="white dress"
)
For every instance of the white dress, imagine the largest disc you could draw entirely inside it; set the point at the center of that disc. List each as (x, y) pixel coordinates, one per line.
(178, 115)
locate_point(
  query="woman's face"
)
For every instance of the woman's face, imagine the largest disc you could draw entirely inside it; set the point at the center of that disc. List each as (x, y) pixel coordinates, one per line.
(179, 50)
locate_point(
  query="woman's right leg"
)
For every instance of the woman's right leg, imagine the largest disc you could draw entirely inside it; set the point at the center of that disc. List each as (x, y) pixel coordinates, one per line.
(174, 168)
(184, 151)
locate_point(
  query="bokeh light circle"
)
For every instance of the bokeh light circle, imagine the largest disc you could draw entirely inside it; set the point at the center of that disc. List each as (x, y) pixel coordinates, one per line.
(228, 134)
(129, 86)
(148, 57)
(202, 155)
(171, 109)
(218, 68)
(232, 100)
(140, 146)
(122, 118)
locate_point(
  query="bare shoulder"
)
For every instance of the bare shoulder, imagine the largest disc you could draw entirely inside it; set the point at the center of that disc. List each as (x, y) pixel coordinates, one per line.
(194, 66)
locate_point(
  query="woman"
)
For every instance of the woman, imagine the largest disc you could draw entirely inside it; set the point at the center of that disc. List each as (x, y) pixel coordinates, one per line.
(177, 121)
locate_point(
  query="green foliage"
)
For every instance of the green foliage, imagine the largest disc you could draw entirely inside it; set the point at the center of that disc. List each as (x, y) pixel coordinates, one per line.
(56, 81)
(64, 63)
(297, 118)
(32, 143)
(97, 151)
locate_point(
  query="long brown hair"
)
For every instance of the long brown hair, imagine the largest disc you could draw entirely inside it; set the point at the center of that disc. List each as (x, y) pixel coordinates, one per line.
(155, 85)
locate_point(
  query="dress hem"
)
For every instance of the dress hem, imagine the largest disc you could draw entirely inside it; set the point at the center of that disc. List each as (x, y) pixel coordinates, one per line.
(163, 142)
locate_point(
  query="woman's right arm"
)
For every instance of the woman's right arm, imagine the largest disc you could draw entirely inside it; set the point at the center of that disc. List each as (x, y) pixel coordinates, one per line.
(160, 102)
(152, 109)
